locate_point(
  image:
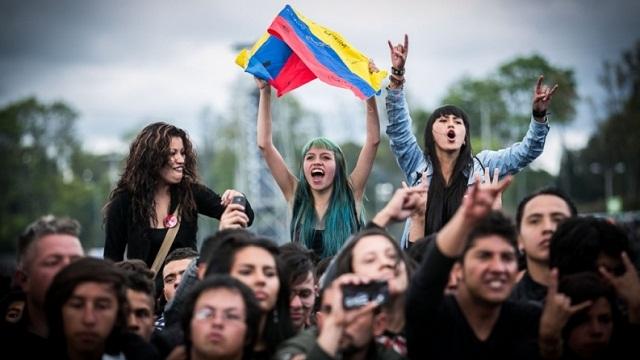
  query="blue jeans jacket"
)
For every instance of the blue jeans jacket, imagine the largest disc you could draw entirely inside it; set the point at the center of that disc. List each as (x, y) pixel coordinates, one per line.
(411, 160)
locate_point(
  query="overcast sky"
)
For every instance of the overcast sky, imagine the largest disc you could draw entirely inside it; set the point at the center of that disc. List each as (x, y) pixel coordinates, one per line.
(124, 63)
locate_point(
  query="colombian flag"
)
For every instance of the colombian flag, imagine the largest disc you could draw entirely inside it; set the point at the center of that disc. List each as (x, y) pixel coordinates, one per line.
(296, 50)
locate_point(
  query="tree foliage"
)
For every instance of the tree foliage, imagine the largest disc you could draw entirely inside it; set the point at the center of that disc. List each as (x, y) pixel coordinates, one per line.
(612, 150)
(46, 170)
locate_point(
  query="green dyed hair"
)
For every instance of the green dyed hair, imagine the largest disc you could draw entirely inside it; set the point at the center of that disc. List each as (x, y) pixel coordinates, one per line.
(340, 220)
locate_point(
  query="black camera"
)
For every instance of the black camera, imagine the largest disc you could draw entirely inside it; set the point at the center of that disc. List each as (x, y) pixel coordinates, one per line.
(355, 296)
(239, 199)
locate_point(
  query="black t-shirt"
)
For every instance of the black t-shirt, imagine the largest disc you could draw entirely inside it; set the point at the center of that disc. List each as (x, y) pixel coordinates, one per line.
(437, 328)
(529, 291)
(317, 245)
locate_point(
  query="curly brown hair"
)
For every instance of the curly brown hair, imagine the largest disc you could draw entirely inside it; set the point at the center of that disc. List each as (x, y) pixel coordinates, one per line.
(149, 152)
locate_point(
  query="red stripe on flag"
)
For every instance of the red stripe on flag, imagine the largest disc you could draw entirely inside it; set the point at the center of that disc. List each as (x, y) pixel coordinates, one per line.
(294, 73)
(281, 29)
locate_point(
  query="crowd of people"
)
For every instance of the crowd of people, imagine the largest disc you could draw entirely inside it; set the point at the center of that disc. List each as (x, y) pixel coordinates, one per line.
(464, 280)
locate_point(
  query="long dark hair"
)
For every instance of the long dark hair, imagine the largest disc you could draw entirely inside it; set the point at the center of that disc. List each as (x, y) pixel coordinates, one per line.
(62, 287)
(251, 305)
(443, 200)
(278, 324)
(341, 218)
(148, 153)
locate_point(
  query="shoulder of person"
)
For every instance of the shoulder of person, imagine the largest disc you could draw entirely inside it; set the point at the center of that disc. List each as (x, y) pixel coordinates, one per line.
(120, 201)
(301, 343)
(522, 311)
(385, 353)
(199, 189)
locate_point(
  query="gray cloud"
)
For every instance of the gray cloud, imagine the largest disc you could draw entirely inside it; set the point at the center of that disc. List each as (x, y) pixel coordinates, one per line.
(122, 62)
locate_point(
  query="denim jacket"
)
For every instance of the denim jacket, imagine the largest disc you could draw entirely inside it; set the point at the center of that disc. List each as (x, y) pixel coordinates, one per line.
(411, 160)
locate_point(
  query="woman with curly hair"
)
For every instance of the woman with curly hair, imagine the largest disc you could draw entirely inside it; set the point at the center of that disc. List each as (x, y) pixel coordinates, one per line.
(161, 174)
(326, 202)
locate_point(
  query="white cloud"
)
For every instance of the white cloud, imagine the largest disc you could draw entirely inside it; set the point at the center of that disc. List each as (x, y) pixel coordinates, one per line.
(123, 63)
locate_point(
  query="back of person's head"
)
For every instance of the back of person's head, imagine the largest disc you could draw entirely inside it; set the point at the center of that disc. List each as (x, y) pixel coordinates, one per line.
(252, 312)
(340, 220)
(580, 243)
(553, 191)
(495, 224)
(278, 324)
(85, 270)
(46, 225)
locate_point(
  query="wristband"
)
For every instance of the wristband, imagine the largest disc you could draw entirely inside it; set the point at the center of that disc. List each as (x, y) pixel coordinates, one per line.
(396, 79)
(539, 114)
(397, 72)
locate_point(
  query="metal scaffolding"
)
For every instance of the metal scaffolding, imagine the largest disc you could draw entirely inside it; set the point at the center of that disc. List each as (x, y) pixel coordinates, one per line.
(253, 176)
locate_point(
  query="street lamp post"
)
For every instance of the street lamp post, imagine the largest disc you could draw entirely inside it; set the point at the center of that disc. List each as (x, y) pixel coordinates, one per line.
(608, 171)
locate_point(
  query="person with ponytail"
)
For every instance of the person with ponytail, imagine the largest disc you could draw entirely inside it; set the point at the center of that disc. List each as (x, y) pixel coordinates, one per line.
(326, 202)
(447, 160)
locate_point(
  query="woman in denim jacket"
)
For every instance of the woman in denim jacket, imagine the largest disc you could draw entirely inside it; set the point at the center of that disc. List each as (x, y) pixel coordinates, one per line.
(447, 160)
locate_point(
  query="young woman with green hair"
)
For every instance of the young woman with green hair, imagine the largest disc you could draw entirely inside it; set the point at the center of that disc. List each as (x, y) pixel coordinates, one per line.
(326, 202)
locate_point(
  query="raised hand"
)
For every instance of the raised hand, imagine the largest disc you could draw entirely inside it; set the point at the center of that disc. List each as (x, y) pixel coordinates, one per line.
(336, 318)
(627, 287)
(228, 195)
(262, 84)
(372, 67)
(488, 182)
(555, 315)
(478, 201)
(542, 95)
(399, 53)
(233, 217)
(404, 203)
(422, 195)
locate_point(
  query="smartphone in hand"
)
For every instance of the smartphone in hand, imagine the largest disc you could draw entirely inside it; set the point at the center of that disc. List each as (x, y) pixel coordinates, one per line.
(355, 296)
(239, 199)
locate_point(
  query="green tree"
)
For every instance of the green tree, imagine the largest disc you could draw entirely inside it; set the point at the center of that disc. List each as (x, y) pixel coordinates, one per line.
(516, 79)
(47, 172)
(610, 159)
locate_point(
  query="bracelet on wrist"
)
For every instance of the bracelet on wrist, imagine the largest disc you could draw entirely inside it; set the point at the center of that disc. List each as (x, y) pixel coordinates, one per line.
(396, 71)
(397, 80)
(539, 114)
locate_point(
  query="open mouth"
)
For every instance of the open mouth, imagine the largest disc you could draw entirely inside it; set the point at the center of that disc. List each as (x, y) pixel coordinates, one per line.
(451, 135)
(317, 173)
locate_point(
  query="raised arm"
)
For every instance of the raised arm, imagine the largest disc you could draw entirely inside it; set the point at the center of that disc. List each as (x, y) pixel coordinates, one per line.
(514, 158)
(403, 142)
(279, 170)
(363, 167)
(475, 206)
